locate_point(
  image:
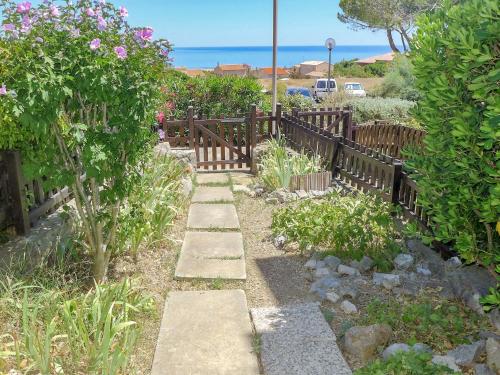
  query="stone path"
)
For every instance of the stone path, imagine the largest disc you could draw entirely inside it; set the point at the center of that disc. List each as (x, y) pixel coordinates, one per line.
(296, 340)
(208, 332)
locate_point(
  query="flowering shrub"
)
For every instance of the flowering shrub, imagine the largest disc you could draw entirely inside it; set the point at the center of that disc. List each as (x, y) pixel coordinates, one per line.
(80, 87)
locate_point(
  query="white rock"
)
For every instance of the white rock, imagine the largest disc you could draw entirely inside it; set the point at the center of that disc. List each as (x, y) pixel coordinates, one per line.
(346, 270)
(302, 194)
(348, 307)
(403, 261)
(446, 361)
(393, 349)
(311, 264)
(422, 270)
(332, 297)
(388, 280)
(454, 262)
(321, 272)
(332, 262)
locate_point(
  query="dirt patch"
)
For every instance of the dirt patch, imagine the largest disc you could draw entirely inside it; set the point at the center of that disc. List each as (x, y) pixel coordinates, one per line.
(274, 277)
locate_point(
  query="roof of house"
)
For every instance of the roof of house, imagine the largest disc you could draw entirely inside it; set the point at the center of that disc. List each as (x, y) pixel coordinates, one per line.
(280, 71)
(371, 60)
(313, 62)
(233, 67)
(193, 72)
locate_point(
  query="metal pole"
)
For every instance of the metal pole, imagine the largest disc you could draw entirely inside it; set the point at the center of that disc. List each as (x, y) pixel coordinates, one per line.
(329, 68)
(275, 58)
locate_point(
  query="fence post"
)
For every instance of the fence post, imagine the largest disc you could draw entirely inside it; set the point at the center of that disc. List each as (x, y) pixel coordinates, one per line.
(253, 137)
(277, 121)
(190, 115)
(16, 191)
(347, 123)
(396, 181)
(337, 141)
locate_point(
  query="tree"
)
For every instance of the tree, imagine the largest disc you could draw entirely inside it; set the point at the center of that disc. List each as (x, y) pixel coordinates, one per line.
(455, 60)
(388, 15)
(84, 85)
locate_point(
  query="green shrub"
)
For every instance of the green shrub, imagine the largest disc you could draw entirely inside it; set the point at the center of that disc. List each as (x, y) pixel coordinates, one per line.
(289, 102)
(455, 58)
(441, 324)
(278, 165)
(349, 68)
(405, 363)
(211, 95)
(392, 109)
(378, 69)
(152, 204)
(346, 226)
(399, 82)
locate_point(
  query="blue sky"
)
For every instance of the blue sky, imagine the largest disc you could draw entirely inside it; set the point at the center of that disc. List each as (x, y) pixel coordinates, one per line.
(202, 23)
(221, 23)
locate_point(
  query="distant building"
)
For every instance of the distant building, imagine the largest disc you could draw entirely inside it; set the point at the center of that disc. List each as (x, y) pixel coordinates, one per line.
(268, 73)
(308, 67)
(388, 57)
(232, 70)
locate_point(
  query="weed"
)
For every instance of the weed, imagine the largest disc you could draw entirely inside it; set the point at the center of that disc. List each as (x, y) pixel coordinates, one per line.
(347, 226)
(441, 324)
(405, 363)
(256, 343)
(217, 284)
(328, 314)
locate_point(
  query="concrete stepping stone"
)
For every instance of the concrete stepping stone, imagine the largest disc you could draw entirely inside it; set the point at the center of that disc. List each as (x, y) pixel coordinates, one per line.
(296, 340)
(211, 255)
(219, 216)
(205, 333)
(212, 178)
(212, 194)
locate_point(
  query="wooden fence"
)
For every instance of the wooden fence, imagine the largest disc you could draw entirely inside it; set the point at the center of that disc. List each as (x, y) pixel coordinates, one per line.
(387, 138)
(222, 142)
(357, 165)
(23, 202)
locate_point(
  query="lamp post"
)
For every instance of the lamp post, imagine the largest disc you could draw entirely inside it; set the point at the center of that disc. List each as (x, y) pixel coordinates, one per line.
(330, 44)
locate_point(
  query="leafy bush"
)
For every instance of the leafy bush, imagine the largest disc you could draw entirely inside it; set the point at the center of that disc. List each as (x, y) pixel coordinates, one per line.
(399, 82)
(405, 363)
(441, 324)
(86, 86)
(210, 95)
(50, 326)
(152, 204)
(369, 109)
(346, 226)
(289, 102)
(278, 165)
(349, 68)
(455, 58)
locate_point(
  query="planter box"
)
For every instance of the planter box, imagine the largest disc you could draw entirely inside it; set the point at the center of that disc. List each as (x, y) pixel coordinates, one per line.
(320, 181)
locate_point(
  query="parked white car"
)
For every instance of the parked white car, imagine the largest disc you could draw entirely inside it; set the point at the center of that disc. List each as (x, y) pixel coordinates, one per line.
(320, 88)
(354, 89)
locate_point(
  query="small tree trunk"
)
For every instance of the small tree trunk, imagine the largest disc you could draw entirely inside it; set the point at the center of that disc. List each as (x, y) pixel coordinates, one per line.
(100, 266)
(391, 41)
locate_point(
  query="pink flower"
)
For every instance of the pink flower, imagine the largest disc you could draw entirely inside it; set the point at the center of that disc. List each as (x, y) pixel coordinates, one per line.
(170, 105)
(54, 11)
(90, 12)
(101, 23)
(161, 134)
(164, 52)
(159, 117)
(123, 12)
(121, 52)
(26, 24)
(145, 34)
(9, 27)
(23, 7)
(95, 44)
(3, 90)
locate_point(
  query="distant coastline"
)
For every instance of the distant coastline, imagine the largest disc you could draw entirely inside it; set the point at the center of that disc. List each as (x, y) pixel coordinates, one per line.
(261, 56)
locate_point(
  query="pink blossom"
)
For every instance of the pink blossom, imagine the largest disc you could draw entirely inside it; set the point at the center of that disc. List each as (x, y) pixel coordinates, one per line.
(23, 7)
(90, 12)
(101, 23)
(54, 11)
(121, 52)
(170, 105)
(159, 117)
(26, 24)
(161, 134)
(123, 11)
(95, 44)
(9, 27)
(145, 34)
(3, 90)
(164, 52)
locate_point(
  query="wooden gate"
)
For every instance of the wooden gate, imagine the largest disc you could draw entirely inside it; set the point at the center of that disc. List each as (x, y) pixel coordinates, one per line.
(222, 143)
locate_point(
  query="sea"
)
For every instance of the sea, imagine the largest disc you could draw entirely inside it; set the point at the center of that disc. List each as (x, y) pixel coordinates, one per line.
(259, 57)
